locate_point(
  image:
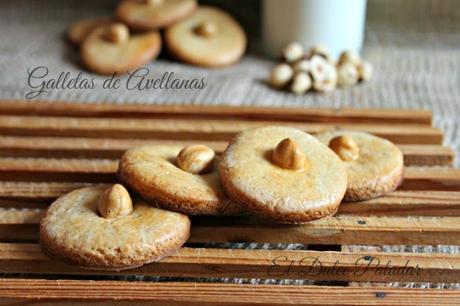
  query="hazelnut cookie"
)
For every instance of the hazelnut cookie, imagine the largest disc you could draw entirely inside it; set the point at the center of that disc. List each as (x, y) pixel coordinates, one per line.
(101, 228)
(283, 174)
(210, 38)
(154, 14)
(374, 165)
(112, 49)
(180, 179)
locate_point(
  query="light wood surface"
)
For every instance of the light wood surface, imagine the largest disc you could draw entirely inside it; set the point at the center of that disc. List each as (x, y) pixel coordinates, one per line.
(398, 203)
(43, 108)
(112, 148)
(103, 171)
(48, 149)
(210, 129)
(340, 229)
(407, 203)
(74, 292)
(279, 264)
(37, 191)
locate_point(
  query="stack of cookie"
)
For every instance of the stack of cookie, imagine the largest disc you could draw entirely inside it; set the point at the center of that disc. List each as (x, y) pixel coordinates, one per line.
(277, 173)
(197, 35)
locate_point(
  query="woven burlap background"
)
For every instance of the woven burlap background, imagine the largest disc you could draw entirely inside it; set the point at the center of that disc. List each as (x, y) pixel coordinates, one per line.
(414, 46)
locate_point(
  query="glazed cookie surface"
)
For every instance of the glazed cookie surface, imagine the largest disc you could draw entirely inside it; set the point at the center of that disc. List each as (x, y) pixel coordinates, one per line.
(153, 172)
(112, 49)
(283, 174)
(374, 165)
(74, 231)
(79, 30)
(154, 14)
(210, 38)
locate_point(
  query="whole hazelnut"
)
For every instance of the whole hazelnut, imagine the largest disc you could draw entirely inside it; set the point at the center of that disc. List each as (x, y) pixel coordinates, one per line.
(293, 52)
(349, 56)
(318, 67)
(365, 71)
(324, 74)
(345, 147)
(117, 33)
(206, 29)
(347, 74)
(288, 155)
(115, 202)
(321, 50)
(196, 159)
(301, 83)
(281, 75)
(302, 66)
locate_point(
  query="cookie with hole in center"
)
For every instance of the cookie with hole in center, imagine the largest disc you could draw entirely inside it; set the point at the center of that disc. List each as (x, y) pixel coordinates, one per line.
(210, 38)
(154, 14)
(112, 49)
(283, 174)
(374, 165)
(180, 179)
(103, 229)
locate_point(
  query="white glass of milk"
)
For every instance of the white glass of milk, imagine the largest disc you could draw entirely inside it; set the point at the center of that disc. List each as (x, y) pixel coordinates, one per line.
(337, 24)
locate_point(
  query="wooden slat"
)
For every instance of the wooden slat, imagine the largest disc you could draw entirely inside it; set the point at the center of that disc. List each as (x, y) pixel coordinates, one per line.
(431, 178)
(33, 191)
(427, 155)
(335, 230)
(58, 170)
(70, 292)
(407, 203)
(283, 264)
(341, 229)
(103, 171)
(37, 191)
(112, 148)
(78, 147)
(194, 129)
(43, 108)
(398, 203)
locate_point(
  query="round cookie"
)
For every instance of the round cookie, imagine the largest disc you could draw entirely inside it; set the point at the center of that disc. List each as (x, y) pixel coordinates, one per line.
(79, 30)
(152, 171)
(283, 174)
(112, 49)
(209, 38)
(73, 231)
(374, 165)
(154, 14)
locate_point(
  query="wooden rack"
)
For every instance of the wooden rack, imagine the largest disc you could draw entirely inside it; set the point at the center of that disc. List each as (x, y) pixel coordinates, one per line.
(48, 149)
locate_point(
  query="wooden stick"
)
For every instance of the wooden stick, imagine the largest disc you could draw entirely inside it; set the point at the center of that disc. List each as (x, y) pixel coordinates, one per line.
(71, 292)
(112, 148)
(431, 178)
(335, 230)
(341, 229)
(103, 170)
(283, 264)
(43, 108)
(398, 203)
(37, 191)
(58, 170)
(69, 147)
(427, 155)
(194, 129)
(407, 203)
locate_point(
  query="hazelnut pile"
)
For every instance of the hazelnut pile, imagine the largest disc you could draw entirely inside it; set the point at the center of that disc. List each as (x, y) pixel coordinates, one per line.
(317, 70)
